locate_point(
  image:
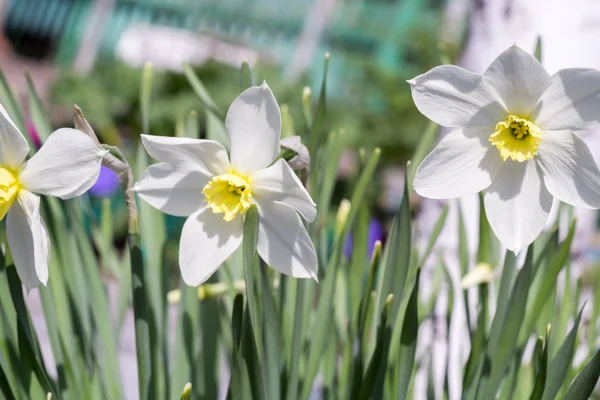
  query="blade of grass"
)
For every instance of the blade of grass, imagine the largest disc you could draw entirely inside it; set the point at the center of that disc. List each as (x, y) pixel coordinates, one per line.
(560, 364)
(327, 287)
(540, 382)
(583, 386)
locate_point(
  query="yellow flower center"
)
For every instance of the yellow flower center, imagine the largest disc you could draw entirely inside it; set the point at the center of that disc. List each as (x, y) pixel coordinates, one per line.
(229, 194)
(517, 138)
(9, 188)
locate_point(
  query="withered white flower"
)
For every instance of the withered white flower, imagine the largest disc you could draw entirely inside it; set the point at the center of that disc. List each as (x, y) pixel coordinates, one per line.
(197, 179)
(66, 166)
(513, 139)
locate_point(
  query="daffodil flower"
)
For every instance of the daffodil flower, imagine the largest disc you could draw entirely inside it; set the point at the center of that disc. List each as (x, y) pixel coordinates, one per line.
(197, 179)
(66, 166)
(513, 140)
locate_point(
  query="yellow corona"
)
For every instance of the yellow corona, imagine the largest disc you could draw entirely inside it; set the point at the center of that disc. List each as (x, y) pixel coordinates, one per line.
(230, 194)
(9, 188)
(517, 138)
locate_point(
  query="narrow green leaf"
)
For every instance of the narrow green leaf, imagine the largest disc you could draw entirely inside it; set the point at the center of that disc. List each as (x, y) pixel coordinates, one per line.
(408, 341)
(245, 77)
(192, 130)
(538, 48)
(501, 344)
(423, 148)
(37, 113)
(583, 386)
(146, 96)
(186, 340)
(327, 286)
(271, 337)
(545, 281)
(297, 335)
(435, 234)
(379, 355)
(396, 257)
(318, 128)
(561, 363)
(240, 381)
(214, 118)
(12, 107)
(141, 316)
(540, 382)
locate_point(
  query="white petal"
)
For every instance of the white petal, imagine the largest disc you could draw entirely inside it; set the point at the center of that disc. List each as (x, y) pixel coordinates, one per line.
(173, 189)
(28, 240)
(13, 145)
(66, 166)
(517, 204)
(209, 155)
(518, 79)
(280, 183)
(254, 125)
(283, 241)
(454, 97)
(459, 165)
(571, 102)
(207, 240)
(570, 172)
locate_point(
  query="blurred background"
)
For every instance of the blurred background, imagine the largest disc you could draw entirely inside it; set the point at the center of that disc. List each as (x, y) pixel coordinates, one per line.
(90, 53)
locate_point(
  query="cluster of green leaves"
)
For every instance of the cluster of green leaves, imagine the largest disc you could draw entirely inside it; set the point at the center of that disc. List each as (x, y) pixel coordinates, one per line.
(353, 335)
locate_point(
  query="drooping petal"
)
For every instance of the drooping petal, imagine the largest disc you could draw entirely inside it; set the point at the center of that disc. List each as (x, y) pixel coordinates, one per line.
(13, 145)
(571, 102)
(570, 172)
(253, 123)
(279, 183)
(517, 204)
(454, 97)
(209, 155)
(459, 165)
(173, 189)
(66, 166)
(283, 241)
(518, 79)
(207, 240)
(28, 240)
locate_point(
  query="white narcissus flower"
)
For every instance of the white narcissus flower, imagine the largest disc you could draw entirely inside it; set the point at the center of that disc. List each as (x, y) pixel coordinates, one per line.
(66, 166)
(513, 140)
(197, 179)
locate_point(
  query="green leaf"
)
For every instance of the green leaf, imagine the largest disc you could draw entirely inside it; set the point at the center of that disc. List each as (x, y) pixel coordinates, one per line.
(141, 317)
(37, 113)
(245, 77)
(327, 287)
(318, 128)
(540, 382)
(435, 234)
(501, 343)
(186, 340)
(408, 341)
(146, 96)
(214, 118)
(544, 282)
(297, 334)
(583, 386)
(423, 148)
(396, 256)
(538, 48)
(271, 337)
(561, 363)
(12, 107)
